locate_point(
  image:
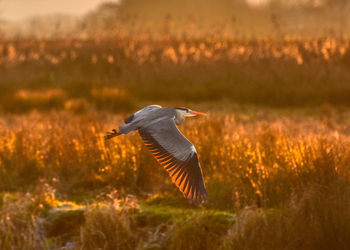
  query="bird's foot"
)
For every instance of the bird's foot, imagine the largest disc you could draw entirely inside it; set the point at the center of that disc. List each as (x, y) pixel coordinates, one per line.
(112, 134)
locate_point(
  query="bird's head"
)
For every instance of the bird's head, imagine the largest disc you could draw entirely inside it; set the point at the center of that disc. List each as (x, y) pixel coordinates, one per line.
(186, 112)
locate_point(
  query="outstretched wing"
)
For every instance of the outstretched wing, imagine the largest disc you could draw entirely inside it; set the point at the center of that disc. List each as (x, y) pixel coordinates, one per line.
(177, 155)
(138, 113)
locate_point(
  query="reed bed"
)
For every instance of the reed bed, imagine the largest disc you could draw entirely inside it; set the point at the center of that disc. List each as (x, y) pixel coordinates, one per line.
(270, 171)
(117, 75)
(257, 161)
(274, 148)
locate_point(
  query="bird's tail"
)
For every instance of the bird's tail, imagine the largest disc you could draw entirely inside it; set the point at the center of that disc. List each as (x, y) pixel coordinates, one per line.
(110, 135)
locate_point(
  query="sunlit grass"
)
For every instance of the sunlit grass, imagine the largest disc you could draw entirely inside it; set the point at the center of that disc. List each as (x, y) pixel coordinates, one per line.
(269, 176)
(249, 155)
(141, 51)
(270, 173)
(118, 75)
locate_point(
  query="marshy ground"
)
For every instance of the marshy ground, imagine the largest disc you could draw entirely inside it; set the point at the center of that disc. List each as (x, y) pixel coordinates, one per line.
(275, 147)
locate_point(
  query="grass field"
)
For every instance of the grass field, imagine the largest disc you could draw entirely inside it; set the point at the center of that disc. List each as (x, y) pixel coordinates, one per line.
(119, 75)
(274, 148)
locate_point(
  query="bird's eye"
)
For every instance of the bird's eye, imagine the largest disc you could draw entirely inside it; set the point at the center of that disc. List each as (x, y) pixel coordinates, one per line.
(184, 109)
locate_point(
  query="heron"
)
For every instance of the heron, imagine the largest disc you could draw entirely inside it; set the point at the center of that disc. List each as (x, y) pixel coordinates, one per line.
(157, 128)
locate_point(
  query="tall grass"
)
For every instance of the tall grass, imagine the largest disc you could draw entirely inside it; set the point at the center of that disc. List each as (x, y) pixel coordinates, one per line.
(255, 161)
(284, 177)
(277, 178)
(117, 75)
(318, 219)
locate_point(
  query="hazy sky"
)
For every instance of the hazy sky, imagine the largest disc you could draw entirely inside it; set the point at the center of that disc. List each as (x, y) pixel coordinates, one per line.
(15, 10)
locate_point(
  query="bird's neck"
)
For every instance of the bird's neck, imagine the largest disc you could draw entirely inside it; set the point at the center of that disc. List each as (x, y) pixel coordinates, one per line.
(179, 117)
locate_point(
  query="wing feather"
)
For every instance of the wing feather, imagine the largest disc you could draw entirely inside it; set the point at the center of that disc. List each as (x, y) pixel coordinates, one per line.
(178, 157)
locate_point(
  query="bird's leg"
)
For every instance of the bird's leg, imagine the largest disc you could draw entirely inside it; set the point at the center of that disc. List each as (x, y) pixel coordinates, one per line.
(112, 134)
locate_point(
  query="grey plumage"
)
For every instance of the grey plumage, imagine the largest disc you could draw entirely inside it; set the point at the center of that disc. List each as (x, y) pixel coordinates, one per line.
(157, 128)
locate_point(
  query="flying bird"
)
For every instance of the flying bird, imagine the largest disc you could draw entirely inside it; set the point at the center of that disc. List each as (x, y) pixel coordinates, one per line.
(157, 128)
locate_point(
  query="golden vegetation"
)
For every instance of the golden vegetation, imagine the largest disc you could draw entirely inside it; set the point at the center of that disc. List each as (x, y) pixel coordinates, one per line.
(117, 75)
(277, 177)
(248, 163)
(253, 158)
(143, 51)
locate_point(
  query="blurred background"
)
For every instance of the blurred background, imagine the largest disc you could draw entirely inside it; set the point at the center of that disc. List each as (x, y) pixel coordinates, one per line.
(116, 55)
(230, 18)
(273, 75)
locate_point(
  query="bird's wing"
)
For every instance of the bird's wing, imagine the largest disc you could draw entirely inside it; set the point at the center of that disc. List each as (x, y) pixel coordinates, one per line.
(148, 108)
(177, 155)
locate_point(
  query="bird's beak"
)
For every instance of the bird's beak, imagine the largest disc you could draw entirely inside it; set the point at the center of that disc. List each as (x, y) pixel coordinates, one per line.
(197, 113)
